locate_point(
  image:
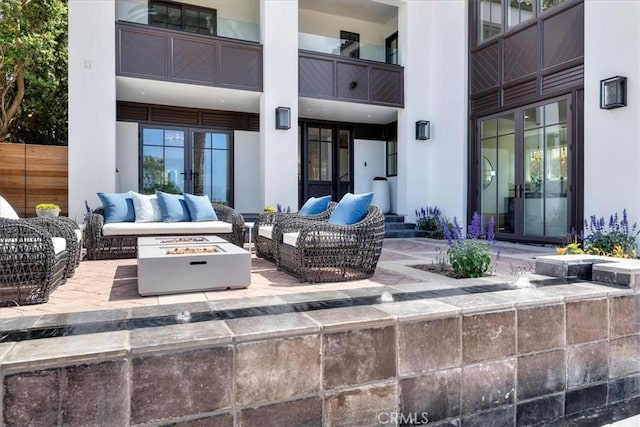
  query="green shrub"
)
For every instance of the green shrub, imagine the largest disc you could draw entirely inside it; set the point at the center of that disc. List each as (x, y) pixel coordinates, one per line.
(470, 257)
(430, 219)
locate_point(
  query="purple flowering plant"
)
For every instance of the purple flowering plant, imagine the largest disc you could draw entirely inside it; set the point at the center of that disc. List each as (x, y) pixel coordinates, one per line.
(612, 238)
(470, 256)
(430, 219)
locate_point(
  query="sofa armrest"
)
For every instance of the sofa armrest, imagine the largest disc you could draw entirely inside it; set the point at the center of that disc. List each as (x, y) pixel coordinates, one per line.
(230, 215)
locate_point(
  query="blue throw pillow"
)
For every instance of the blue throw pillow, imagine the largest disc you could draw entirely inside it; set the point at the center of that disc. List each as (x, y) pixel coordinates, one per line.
(200, 208)
(351, 209)
(118, 207)
(315, 206)
(173, 207)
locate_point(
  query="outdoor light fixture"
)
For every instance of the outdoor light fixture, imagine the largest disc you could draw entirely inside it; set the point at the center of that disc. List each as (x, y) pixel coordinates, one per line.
(283, 118)
(613, 92)
(423, 130)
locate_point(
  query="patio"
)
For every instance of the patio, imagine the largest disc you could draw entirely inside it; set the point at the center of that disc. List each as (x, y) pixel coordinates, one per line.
(112, 284)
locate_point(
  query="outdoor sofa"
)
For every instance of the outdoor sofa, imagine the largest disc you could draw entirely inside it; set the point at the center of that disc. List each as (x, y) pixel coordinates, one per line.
(105, 239)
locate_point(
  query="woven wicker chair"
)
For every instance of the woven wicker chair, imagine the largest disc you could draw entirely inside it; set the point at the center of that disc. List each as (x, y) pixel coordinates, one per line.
(100, 246)
(30, 265)
(67, 228)
(317, 251)
(270, 222)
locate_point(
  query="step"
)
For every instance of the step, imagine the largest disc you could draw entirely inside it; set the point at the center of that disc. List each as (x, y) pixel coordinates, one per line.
(399, 226)
(393, 218)
(399, 234)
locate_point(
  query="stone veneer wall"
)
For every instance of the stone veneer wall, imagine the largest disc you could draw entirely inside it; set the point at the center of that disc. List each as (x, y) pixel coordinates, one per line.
(341, 367)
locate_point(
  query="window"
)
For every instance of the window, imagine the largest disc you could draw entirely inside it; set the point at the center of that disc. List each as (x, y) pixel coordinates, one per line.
(490, 16)
(178, 16)
(391, 48)
(392, 158)
(349, 44)
(177, 160)
(519, 11)
(547, 4)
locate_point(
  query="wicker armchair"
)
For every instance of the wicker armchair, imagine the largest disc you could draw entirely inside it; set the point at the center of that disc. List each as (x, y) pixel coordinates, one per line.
(67, 228)
(317, 251)
(264, 239)
(100, 246)
(30, 265)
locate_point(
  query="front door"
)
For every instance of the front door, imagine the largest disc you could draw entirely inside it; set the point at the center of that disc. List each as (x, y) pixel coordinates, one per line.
(325, 152)
(525, 171)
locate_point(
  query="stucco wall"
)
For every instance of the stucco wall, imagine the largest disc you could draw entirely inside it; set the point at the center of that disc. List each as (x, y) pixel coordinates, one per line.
(611, 137)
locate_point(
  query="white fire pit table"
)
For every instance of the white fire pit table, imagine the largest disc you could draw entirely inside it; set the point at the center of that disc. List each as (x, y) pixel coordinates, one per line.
(181, 266)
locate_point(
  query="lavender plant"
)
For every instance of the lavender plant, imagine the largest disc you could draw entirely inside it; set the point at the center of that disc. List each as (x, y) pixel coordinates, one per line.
(430, 219)
(614, 238)
(470, 257)
(281, 209)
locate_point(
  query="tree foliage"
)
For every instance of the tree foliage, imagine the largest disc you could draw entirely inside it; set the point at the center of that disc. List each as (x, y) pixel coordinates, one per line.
(33, 71)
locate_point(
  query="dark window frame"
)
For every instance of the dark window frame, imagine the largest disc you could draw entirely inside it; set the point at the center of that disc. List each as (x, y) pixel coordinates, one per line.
(183, 8)
(391, 157)
(391, 57)
(347, 40)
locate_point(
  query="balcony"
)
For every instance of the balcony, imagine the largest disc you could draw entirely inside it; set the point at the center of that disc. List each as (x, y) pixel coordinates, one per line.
(354, 72)
(149, 52)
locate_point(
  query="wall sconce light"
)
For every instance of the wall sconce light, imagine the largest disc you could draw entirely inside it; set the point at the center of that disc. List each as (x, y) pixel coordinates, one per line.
(283, 118)
(613, 92)
(423, 130)
(353, 84)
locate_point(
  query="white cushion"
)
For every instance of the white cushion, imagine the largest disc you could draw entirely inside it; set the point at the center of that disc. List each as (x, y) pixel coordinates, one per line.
(159, 228)
(6, 210)
(266, 231)
(291, 239)
(146, 207)
(59, 244)
(78, 234)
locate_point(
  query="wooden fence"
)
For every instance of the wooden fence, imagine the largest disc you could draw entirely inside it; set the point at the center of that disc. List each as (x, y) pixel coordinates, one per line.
(32, 174)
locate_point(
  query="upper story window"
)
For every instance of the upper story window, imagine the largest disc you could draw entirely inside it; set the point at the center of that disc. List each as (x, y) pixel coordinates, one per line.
(493, 14)
(490, 15)
(519, 11)
(183, 17)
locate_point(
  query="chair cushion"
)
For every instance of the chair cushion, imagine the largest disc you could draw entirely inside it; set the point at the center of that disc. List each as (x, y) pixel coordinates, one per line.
(118, 207)
(59, 244)
(314, 206)
(266, 231)
(200, 208)
(291, 239)
(6, 210)
(146, 207)
(351, 209)
(165, 228)
(173, 207)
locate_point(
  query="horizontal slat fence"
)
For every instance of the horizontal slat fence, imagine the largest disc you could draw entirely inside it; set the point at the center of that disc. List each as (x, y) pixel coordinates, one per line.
(32, 174)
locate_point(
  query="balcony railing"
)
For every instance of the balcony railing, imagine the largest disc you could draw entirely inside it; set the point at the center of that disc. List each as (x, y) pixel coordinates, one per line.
(149, 52)
(356, 50)
(229, 28)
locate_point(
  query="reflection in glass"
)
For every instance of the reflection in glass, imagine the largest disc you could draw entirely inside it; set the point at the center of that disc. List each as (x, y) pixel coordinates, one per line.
(519, 11)
(490, 15)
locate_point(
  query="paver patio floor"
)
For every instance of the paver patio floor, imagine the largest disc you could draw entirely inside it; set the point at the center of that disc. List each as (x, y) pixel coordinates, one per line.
(112, 284)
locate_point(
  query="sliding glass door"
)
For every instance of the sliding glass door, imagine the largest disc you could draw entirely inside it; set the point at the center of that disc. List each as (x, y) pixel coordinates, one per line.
(177, 160)
(525, 166)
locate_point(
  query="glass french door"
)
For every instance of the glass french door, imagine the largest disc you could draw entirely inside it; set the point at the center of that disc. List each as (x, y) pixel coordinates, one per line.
(524, 173)
(325, 166)
(178, 160)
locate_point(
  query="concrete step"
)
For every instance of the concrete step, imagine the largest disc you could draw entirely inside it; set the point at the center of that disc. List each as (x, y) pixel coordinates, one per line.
(393, 218)
(399, 226)
(399, 234)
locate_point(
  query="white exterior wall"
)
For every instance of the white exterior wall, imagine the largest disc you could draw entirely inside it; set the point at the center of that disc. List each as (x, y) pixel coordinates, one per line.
(611, 147)
(433, 172)
(368, 162)
(92, 103)
(246, 171)
(126, 156)
(279, 148)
